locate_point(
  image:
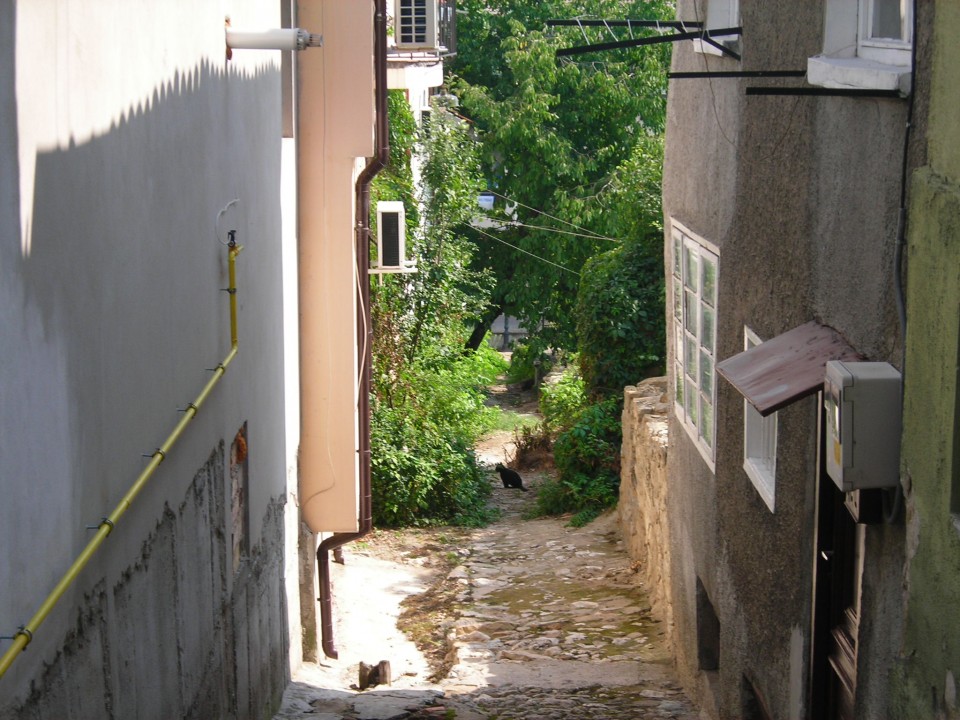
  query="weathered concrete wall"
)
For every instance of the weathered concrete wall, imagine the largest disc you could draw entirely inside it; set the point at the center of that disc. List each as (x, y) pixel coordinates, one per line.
(929, 663)
(168, 640)
(123, 132)
(803, 211)
(642, 505)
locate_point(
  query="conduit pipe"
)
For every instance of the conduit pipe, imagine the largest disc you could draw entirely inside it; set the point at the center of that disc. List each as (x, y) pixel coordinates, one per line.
(25, 633)
(275, 39)
(364, 329)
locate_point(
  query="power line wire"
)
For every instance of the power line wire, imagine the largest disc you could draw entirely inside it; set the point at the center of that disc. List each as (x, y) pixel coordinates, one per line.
(552, 217)
(526, 252)
(514, 223)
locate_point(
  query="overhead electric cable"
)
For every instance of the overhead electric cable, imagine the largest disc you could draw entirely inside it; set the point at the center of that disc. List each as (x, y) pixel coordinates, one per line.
(515, 223)
(526, 252)
(546, 214)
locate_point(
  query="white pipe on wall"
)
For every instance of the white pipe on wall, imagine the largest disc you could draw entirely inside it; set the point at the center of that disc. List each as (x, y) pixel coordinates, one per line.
(275, 39)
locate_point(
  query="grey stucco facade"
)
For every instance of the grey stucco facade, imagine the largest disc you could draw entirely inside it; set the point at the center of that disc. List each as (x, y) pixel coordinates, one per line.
(800, 197)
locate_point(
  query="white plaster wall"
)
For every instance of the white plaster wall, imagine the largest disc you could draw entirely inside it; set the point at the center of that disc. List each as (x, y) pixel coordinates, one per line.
(123, 133)
(291, 403)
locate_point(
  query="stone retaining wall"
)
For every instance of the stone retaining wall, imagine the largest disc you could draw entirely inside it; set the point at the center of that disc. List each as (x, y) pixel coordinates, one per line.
(642, 506)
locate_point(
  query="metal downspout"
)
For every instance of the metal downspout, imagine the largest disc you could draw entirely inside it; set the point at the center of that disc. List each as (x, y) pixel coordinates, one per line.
(364, 329)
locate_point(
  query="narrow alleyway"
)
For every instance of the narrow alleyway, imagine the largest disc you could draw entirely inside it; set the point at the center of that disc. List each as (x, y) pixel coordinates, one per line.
(544, 621)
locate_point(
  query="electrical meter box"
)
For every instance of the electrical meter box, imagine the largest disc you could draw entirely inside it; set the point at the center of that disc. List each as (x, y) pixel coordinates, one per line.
(863, 409)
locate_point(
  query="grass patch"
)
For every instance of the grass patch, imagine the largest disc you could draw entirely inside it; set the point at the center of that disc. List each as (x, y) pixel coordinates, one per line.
(511, 421)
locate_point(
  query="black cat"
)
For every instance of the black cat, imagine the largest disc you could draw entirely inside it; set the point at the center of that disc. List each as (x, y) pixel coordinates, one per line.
(510, 478)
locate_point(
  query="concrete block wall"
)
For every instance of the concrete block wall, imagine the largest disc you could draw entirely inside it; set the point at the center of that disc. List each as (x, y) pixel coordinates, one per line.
(180, 635)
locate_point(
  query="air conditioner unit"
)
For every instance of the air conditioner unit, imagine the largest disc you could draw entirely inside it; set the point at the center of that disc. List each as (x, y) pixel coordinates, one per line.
(416, 24)
(391, 239)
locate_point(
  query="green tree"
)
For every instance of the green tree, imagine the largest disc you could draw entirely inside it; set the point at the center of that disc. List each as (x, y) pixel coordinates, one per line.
(427, 399)
(556, 138)
(619, 312)
(577, 145)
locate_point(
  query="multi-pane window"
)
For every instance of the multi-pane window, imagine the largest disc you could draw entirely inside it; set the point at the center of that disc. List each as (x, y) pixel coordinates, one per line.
(886, 29)
(866, 44)
(695, 338)
(759, 442)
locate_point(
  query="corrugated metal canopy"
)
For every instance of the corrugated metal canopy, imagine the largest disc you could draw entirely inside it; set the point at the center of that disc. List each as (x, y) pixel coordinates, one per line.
(786, 368)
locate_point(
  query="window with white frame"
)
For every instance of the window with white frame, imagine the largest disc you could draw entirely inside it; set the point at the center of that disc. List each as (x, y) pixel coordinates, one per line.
(759, 441)
(694, 288)
(718, 14)
(867, 44)
(886, 31)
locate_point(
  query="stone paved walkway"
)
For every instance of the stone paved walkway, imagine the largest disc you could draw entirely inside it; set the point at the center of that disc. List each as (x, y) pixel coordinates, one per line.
(551, 623)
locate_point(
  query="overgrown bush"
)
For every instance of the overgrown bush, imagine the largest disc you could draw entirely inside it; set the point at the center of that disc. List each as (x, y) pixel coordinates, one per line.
(587, 458)
(586, 449)
(620, 318)
(423, 468)
(562, 402)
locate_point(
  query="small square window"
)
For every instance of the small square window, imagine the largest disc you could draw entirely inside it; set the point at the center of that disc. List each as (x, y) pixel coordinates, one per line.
(886, 30)
(867, 44)
(888, 20)
(759, 442)
(720, 14)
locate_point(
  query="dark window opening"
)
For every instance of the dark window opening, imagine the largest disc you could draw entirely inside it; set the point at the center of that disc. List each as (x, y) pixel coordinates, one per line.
(239, 490)
(753, 704)
(708, 631)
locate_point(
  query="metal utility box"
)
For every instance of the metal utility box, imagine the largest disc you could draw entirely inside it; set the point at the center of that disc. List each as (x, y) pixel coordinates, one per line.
(863, 409)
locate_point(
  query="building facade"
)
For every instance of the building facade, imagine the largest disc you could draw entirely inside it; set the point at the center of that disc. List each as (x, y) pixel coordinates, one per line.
(924, 682)
(135, 149)
(789, 146)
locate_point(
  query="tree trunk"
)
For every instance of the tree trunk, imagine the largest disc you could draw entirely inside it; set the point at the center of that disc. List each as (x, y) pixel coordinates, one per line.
(482, 326)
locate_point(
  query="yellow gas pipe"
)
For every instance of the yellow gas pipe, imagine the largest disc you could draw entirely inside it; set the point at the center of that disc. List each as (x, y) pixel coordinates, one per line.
(25, 634)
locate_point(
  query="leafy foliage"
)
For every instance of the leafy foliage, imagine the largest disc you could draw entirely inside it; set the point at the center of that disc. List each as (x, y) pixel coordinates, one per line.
(620, 318)
(395, 182)
(577, 146)
(557, 137)
(423, 468)
(562, 402)
(587, 457)
(427, 406)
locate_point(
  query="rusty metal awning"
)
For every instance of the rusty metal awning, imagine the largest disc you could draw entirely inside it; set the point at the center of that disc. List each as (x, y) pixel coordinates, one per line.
(786, 368)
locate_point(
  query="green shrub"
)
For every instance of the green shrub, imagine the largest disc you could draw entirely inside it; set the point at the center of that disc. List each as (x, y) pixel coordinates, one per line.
(420, 476)
(423, 468)
(620, 318)
(587, 458)
(562, 402)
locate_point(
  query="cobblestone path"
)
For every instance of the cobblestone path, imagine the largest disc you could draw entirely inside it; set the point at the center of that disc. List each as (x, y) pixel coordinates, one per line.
(549, 622)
